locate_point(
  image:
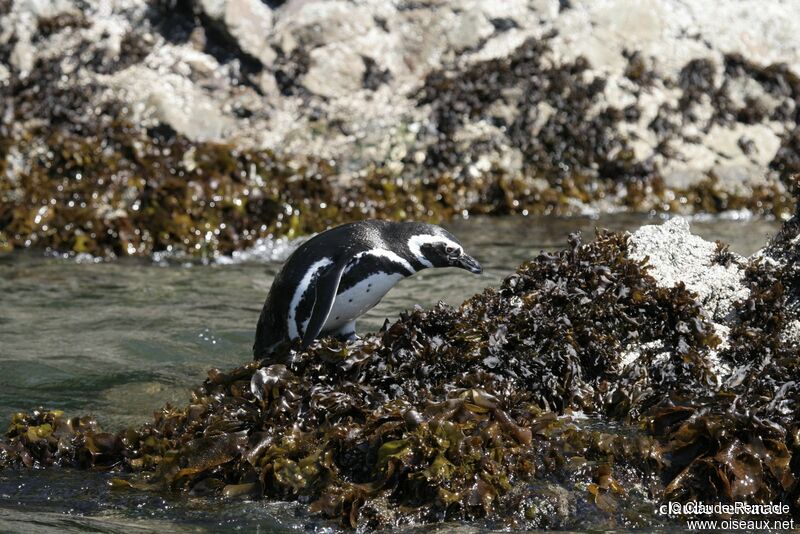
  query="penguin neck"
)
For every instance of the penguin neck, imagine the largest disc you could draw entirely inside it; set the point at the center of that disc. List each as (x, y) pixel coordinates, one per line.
(412, 253)
(417, 264)
(395, 238)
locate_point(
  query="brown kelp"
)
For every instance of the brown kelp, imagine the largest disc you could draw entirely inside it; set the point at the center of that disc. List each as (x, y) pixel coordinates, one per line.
(579, 392)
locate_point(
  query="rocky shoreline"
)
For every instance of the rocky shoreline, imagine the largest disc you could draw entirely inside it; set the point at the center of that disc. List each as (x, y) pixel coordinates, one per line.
(593, 385)
(199, 126)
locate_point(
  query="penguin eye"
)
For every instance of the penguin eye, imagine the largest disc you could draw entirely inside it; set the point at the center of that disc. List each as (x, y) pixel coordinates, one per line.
(450, 250)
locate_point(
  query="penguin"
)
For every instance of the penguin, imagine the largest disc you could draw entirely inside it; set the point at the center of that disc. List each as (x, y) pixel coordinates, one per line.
(341, 273)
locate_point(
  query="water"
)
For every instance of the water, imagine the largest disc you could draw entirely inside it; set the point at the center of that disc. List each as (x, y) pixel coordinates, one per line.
(119, 339)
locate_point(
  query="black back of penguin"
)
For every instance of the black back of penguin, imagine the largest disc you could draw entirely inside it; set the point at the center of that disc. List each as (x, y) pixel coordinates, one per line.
(337, 245)
(341, 241)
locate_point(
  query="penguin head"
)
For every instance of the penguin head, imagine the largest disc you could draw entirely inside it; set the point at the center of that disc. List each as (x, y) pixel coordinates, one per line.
(433, 246)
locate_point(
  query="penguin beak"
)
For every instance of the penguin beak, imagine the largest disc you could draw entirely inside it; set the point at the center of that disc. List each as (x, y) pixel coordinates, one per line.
(469, 263)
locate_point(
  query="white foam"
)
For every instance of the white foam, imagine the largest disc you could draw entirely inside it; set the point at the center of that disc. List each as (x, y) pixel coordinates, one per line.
(265, 250)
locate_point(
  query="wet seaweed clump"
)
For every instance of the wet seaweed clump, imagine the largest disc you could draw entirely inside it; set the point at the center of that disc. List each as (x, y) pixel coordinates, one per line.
(112, 189)
(578, 393)
(742, 445)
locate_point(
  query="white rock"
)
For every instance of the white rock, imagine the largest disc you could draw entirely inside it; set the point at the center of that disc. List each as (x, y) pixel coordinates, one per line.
(737, 179)
(500, 46)
(725, 141)
(336, 70)
(311, 24)
(23, 56)
(691, 169)
(520, 11)
(249, 22)
(676, 255)
(546, 9)
(468, 29)
(172, 99)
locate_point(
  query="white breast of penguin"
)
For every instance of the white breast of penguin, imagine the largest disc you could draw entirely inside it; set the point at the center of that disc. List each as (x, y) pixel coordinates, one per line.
(366, 278)
(360, 298)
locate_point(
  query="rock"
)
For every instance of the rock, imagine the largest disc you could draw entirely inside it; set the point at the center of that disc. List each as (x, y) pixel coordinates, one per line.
(468, 29)
(615, 104)
(518, 11)
(676, 255)
(248, 22)
(335, 70)
(745, 92)
(726, 141)
(499, 46)
(23, 54)
(683, 177)
(737, 180)
(765, 144)
(311, 24)
(173, 100)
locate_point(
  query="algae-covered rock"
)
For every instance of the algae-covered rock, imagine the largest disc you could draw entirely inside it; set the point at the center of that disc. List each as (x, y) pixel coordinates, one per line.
(591, 386)
(400, 109)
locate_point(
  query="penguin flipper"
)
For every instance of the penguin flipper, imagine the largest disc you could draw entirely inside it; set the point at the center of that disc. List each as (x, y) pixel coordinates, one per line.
(324, 295)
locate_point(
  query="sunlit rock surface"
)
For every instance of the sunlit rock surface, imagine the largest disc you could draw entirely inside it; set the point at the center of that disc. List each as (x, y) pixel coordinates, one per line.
(591, 386)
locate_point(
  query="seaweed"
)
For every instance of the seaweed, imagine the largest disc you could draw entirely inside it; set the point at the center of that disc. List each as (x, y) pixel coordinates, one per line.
(697, 77)
(45, 27)
(290, 69)
(723, 255)
(485, 412)
(741, 445)
(787, 160)
(161, 192)
(569, 141)
(81, 177)
(637, 69)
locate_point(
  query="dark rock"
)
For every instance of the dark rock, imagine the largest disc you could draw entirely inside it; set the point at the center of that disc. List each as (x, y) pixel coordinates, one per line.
(374, 75)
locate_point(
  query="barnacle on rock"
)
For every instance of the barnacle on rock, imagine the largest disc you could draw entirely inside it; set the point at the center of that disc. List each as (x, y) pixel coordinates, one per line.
(553, 129)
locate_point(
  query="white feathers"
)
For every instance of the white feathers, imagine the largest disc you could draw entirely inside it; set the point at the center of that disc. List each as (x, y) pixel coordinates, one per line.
(301, 289)
(364, 295)
(356, 300)
(416, 242)
(359, 299)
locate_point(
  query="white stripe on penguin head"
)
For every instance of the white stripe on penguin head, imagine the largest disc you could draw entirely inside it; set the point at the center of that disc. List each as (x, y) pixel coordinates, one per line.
(381, 253)
(299, 291)
(416, 242)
